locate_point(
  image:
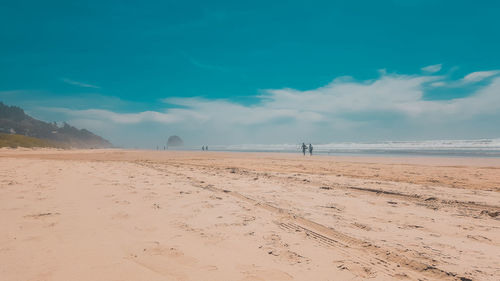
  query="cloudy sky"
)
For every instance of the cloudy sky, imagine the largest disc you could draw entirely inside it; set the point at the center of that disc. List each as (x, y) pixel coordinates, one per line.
(231, 72)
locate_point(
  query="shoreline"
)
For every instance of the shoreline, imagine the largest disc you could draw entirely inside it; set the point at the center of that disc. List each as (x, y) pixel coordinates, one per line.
(367, 158)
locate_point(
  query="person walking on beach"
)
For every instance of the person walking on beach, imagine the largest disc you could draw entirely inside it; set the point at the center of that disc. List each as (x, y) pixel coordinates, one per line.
(203, 148)
(304, 147)
(310, 149)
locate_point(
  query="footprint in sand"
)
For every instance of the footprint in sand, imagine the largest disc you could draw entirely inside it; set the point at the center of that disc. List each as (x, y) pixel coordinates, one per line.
(276, 247)
(362, 226)
(163, 259)
(120, 215)
(253, 273)
(355, 268)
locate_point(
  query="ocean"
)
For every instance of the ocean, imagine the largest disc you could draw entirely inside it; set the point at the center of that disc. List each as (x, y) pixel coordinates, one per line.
(438, 148)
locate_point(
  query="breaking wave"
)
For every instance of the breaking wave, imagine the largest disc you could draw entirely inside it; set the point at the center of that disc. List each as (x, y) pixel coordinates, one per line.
(478, 147)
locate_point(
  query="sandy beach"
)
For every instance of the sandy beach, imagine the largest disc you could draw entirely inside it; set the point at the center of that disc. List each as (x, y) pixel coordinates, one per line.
(156, 215)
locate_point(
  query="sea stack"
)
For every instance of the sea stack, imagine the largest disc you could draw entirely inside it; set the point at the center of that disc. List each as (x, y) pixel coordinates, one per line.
(174, 141)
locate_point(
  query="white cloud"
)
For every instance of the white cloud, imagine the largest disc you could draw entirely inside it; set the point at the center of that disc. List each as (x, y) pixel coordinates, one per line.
(79, 84)
(121, 118)
(470, 78)
(432, 68)
(480, 75)
(343, 108)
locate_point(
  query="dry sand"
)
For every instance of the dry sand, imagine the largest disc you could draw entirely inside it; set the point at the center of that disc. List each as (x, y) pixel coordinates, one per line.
(147, 215)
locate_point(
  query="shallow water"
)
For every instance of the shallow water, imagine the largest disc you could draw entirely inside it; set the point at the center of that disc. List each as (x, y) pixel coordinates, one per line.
(437, 148)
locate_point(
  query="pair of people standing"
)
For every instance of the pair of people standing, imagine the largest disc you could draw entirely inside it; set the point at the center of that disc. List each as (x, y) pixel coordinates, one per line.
(305, 147)
(204, 148)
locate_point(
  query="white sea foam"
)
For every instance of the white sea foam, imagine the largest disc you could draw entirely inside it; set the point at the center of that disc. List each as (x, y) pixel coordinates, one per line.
(491, 145)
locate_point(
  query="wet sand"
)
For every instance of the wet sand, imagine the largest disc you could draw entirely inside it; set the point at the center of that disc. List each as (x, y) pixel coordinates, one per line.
(148, 215)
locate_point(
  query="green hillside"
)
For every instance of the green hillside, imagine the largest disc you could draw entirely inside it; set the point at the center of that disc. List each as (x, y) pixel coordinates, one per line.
(14, 141)
(13, 120)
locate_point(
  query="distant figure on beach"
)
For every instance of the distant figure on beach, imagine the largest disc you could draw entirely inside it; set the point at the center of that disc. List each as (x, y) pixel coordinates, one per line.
(304, 147)
(206, 147)
(203, 148)
(310, 149)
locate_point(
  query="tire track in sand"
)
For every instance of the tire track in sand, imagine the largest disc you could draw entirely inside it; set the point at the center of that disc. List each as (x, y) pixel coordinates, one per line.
(433, 202)
(381, 258)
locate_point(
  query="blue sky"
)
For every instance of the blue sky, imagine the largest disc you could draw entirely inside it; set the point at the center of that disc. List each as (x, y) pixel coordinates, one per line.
(261, 72)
